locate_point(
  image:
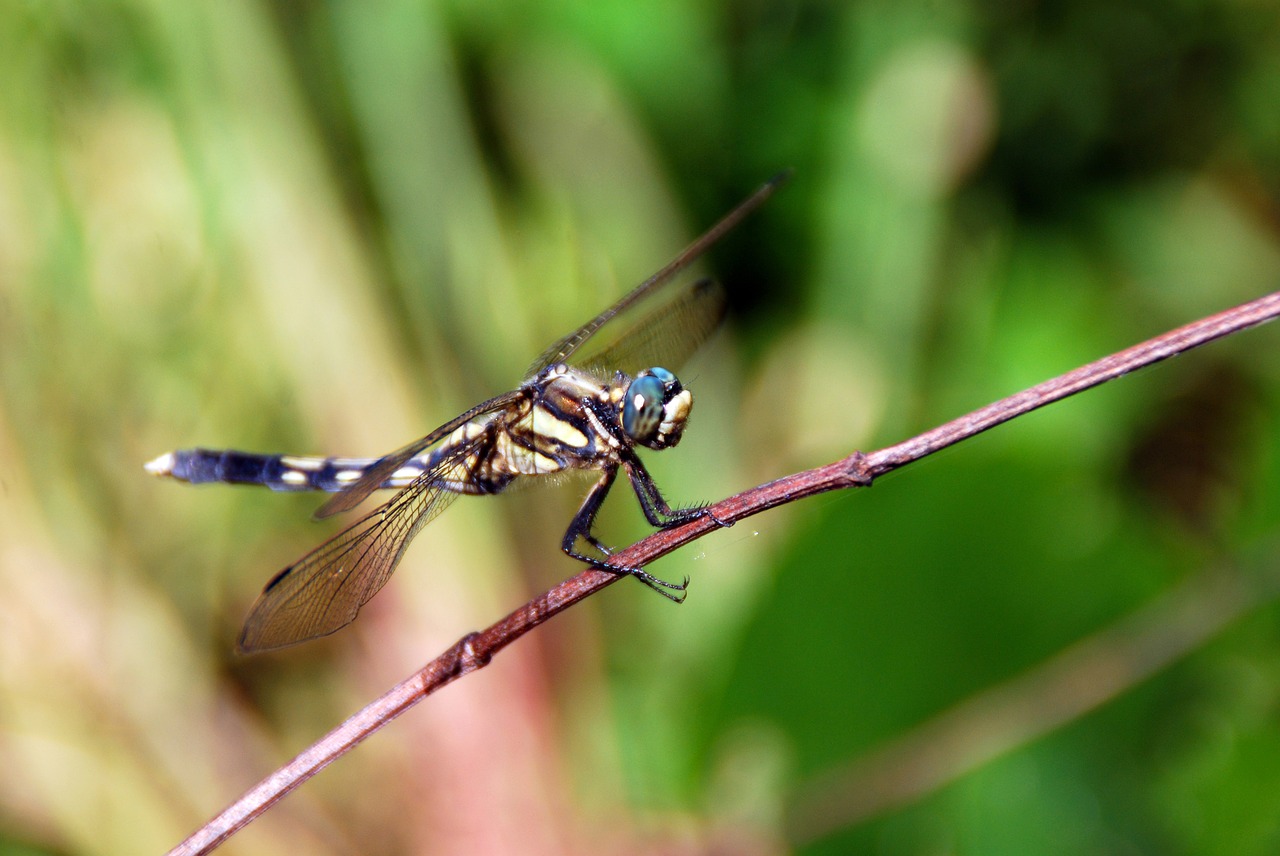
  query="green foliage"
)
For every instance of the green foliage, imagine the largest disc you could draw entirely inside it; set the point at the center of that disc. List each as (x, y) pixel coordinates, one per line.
(331, 226)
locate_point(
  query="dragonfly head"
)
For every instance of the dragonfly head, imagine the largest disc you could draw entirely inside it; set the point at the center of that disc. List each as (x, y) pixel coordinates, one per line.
(655, 409)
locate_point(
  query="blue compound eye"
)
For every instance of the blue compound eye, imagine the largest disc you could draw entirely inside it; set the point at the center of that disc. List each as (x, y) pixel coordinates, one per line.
(642, 411)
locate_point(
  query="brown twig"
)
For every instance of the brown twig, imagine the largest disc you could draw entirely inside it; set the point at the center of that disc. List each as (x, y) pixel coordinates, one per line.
(475, 650)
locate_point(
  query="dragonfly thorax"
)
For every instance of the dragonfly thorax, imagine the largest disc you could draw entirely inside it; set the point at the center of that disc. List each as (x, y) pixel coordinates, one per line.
(655, 409)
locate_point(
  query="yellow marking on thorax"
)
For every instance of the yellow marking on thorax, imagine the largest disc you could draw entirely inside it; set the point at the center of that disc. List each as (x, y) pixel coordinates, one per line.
(513, 459)
(601, 429)
(542, 423)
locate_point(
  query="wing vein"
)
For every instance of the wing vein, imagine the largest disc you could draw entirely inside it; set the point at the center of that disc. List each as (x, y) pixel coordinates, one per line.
(324, 590)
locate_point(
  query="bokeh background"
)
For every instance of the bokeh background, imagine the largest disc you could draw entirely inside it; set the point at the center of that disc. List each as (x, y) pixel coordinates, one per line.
(326, 227)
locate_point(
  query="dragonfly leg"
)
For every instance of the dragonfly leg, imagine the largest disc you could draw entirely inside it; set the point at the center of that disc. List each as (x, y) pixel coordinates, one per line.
(656, 583)
(580, 527)
(656, 510)
(595, 542)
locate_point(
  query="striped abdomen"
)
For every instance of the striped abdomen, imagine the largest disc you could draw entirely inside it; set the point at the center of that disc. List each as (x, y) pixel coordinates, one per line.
(278, 472)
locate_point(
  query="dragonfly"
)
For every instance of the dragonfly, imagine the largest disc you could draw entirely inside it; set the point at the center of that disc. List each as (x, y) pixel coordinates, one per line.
(585, 404)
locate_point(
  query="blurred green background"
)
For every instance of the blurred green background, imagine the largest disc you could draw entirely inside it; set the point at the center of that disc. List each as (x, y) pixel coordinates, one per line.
(327, 227)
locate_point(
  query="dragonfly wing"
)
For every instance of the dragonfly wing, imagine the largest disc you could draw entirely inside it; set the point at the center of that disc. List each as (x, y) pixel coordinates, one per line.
(564, 348)
(360, 489)
(323, 591)
(667, 336)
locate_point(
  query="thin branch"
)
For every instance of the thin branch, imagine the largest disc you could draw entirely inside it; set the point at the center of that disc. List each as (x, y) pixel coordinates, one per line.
(475, 650)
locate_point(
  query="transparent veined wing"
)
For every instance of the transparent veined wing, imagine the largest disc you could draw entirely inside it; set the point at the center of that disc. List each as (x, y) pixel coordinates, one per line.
(564, 348)
(324, 590)
(666, 337)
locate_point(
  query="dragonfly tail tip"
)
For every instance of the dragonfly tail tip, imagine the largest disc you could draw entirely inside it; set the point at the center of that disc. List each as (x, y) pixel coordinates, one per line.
(161, 466)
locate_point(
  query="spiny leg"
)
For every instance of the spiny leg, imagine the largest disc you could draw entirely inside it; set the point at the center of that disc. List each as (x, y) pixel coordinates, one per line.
(580, 527)
(656, 510)
(645, 577)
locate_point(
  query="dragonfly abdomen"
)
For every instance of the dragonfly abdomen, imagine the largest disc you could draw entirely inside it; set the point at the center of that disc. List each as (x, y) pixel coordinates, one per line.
(278, 472)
